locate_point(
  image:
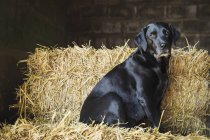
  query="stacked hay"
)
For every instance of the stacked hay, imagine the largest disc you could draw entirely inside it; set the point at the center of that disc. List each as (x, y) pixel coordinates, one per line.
(188, 97)
(60, 79)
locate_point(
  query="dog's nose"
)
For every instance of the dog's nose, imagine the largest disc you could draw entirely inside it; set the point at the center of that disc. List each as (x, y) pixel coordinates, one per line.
(162, 45)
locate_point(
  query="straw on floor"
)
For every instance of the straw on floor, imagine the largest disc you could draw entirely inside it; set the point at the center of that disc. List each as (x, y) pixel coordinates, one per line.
(60, 79)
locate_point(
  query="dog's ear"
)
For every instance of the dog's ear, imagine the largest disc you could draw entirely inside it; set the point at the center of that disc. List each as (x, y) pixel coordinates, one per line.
(175, 33)
(140, 39)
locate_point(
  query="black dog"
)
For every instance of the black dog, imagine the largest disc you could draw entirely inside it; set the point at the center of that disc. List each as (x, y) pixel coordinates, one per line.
(133, 90)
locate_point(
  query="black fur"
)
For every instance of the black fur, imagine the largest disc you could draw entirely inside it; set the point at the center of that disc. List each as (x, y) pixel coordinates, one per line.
(133, 90)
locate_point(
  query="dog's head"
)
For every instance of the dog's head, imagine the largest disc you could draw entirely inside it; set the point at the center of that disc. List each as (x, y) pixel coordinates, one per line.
(157, 38)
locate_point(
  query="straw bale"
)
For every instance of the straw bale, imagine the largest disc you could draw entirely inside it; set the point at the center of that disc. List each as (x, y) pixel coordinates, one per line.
(60, 79)
(187, 99)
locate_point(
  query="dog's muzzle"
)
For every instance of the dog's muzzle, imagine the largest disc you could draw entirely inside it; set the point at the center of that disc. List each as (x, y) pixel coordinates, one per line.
(162, 56)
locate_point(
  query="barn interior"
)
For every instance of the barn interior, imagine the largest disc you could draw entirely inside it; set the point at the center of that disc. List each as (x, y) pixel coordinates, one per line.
(25, 23)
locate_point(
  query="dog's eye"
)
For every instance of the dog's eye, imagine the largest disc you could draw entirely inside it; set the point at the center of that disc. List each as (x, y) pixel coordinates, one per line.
(166, 32)
(153, 34)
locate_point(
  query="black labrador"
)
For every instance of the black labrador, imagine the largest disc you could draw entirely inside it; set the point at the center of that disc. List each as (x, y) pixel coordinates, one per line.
(132, 91)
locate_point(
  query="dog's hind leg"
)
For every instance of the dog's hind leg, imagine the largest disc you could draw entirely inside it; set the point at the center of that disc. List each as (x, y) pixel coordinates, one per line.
(114, 113)
(108, 109)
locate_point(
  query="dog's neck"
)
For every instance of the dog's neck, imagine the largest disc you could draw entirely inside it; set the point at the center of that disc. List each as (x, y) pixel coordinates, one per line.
(149, 60)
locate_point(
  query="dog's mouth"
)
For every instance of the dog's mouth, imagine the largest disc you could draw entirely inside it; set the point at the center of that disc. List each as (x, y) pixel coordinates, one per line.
(161, 56)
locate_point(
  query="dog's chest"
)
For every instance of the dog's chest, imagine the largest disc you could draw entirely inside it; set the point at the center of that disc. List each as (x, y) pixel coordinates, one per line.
(162, 80)
(154, 77)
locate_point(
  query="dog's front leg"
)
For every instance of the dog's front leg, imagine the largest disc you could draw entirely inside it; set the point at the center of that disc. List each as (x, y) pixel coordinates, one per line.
(150, 110)
(165, 86)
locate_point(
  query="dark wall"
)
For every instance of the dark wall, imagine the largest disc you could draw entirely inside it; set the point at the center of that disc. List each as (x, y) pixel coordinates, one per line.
(25, 23)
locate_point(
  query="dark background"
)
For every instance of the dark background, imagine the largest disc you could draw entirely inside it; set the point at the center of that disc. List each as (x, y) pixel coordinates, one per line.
(25, 23)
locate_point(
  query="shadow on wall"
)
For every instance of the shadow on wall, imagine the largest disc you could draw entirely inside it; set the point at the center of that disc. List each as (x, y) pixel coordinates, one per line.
(24, 23)
(11, 76)
(112, 22)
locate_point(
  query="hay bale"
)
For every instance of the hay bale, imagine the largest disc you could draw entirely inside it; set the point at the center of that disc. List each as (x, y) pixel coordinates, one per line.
(60, 79)
(187, 99)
